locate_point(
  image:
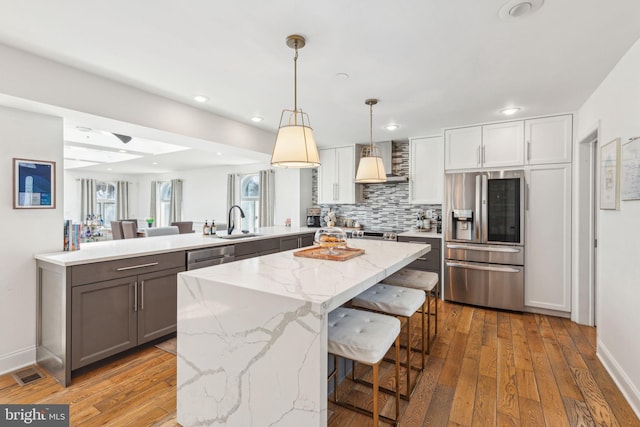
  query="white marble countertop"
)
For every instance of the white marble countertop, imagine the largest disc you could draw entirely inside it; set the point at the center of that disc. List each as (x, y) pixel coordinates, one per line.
(326, 282)
(414, 233)
(128, 248)
(252, 334)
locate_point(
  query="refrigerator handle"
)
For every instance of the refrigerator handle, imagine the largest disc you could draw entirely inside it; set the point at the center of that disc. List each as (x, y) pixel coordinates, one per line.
(484, 209)
(496, 268)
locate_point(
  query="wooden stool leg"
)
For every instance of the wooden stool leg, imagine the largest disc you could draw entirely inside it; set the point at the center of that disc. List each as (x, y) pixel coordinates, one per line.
(397, 379)
(423, 333)
(375, 394)
(429, 322)
(408, 367)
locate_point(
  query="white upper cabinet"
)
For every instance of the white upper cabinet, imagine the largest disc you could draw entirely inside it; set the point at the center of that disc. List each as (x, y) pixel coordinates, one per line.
(462, 148)
(503, 145)
(336, 176)
(426, 170)
(548, 140)
(488, 146)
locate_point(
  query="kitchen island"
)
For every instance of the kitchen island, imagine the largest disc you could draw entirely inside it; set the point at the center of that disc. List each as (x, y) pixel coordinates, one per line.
(252, 335)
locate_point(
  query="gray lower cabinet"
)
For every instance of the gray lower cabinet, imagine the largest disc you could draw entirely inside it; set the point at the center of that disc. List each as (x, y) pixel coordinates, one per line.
(115, 315)
(295, 242)
(431, 261)
(256, 248)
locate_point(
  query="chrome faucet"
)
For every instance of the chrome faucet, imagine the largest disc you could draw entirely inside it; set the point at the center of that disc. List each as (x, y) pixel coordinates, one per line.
(232, 225)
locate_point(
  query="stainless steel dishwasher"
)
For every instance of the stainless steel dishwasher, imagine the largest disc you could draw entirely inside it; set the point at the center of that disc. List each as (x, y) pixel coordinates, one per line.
(200, 258)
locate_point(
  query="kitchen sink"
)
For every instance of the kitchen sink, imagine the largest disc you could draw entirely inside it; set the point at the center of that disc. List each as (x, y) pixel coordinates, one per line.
(239, 236)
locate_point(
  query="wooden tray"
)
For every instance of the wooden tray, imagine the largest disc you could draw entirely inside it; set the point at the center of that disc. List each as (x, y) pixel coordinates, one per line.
(318, 252)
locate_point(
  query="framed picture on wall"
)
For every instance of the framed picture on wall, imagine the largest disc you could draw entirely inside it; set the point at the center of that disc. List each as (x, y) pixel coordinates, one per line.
(610, 175)
(34, 184)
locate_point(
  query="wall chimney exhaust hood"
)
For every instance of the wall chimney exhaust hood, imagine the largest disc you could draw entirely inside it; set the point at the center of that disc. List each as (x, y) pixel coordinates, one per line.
(384, 149)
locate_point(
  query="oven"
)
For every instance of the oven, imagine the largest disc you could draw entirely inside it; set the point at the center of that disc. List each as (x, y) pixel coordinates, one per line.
(390, 235)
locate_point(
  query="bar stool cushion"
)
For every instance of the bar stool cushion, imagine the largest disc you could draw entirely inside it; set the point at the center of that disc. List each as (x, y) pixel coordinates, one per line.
(415, 279)
(361, 335)
(389, 299)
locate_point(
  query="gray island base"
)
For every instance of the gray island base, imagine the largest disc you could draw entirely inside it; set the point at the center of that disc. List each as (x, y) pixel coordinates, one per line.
(252, 335)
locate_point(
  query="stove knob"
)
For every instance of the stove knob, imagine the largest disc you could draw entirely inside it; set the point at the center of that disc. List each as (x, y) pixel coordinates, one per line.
(393, 236)
(385, 236)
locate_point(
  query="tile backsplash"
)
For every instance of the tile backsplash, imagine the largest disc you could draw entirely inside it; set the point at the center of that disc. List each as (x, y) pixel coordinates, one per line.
(384, 205)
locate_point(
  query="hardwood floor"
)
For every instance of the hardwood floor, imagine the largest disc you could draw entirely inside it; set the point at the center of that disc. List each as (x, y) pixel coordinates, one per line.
(487, 368)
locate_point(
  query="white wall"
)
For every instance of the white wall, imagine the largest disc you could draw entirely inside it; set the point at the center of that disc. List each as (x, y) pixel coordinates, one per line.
(616, 104)
(26, 232)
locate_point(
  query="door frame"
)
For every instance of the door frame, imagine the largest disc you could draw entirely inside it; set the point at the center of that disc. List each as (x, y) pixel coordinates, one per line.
(585, 284)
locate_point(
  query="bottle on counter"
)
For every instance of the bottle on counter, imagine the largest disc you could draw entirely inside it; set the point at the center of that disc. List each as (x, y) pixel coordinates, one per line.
(212, 230)
(206, 230)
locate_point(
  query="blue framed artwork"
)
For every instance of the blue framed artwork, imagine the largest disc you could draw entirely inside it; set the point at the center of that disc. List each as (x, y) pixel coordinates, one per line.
(34, 184)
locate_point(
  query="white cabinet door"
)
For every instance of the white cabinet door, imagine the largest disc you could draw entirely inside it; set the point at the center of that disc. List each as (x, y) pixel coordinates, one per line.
(548, 237)
(462, 148)
(503, 144)
(426, 170)
(327, 176)
(346, 175)
(548, 140)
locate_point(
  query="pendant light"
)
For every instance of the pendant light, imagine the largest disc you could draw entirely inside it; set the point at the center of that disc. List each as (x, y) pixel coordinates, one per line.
(371, 169)
(295, 145)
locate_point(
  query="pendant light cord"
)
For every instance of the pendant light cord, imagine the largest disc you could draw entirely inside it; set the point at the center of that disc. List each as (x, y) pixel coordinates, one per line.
(295, 84)
(371, 129)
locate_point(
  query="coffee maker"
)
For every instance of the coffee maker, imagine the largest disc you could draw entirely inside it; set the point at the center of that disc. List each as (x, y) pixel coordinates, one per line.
(313, 217)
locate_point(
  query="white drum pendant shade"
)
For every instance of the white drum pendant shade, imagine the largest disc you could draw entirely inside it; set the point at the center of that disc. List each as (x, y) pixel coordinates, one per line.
(371, 170)
(295, 148)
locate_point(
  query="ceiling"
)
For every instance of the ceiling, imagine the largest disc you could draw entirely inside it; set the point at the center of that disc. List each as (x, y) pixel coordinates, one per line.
(432, 64)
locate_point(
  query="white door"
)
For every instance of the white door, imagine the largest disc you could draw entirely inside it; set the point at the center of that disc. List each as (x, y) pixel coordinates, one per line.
(327, 176)
(426, 170)
(548, 140)
(503, 144)
(462, 148)
(548, 237)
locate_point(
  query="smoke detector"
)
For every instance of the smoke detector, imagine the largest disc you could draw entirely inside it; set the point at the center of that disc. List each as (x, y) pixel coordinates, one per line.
(514, 9)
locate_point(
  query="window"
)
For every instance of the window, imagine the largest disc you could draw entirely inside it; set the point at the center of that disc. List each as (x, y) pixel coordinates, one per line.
(163, 200)
(250, 201)
(106, 201)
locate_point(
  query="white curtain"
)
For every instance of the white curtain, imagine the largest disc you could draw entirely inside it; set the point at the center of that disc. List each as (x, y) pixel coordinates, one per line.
(122, 199)
(233, 198)
(152, 204)
(175, 210)
(266, 197)
(87, 198)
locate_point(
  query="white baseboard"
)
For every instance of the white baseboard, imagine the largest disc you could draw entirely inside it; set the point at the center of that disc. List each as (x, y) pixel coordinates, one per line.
(18, 359)
(624, 383)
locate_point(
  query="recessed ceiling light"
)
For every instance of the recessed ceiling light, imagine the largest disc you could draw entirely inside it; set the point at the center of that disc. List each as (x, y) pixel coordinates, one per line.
(154, 163)
(122, 151)
(509, 111)
(342, 76)
(109, 169)
(391, 127)
(200, 98)
(256, 119)
(518, 8)
(219, 153)
(83, 128)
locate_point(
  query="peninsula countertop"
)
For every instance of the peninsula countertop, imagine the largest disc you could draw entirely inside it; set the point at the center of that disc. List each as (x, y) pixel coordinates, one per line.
(128, 248)
(252, 335)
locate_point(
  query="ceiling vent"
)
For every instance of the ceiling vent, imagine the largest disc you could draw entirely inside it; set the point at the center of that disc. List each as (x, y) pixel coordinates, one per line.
(123, 138)
(514, 9)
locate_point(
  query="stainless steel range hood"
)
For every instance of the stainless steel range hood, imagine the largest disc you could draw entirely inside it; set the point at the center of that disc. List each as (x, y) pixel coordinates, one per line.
(385, 151)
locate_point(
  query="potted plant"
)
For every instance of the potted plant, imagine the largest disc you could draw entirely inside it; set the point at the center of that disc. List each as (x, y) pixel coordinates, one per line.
(149, 222)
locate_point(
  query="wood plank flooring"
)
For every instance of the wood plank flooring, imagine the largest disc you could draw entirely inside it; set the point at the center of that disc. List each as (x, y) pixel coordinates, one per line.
(486, 368)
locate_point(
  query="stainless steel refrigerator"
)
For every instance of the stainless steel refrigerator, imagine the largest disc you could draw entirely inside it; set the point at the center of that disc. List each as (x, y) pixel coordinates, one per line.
(484, 238)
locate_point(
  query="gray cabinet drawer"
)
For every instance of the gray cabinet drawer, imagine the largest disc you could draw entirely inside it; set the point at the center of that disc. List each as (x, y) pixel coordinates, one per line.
(256, 247)
(432, 260)
(107, 270)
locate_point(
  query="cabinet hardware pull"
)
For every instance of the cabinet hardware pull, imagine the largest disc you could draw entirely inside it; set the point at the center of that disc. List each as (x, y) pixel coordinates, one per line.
(526, 199)
(136, 266)
(484, 153)
(478, 154)
(135, 296)
(417, 241)
(528, 150)
(422, 259)
(142, 295)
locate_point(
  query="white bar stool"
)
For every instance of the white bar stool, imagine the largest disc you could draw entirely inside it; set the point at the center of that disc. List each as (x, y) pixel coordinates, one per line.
(426, 281)
(403, 303)
(363, 337)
